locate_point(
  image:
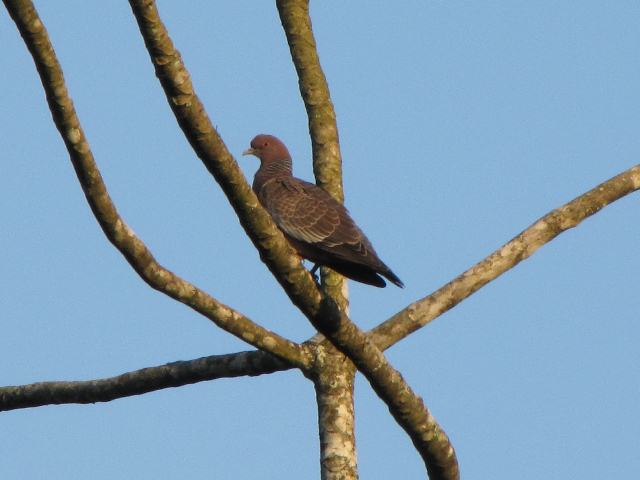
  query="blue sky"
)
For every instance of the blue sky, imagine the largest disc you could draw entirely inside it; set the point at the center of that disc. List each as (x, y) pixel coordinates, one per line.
(460, 123)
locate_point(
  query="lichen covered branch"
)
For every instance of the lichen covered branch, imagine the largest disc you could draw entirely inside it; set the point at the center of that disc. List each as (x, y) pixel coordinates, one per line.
(116, 230)
(138, 382)
(323, 128)
(175, 80)
(521, 247)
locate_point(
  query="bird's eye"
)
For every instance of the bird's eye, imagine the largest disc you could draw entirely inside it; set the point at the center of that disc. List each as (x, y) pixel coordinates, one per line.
(265, 144)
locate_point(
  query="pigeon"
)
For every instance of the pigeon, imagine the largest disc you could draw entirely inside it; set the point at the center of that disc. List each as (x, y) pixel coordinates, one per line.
(318, 227)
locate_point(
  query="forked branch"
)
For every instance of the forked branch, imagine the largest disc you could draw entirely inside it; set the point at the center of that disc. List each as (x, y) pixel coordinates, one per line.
(431, 442)
(117, 231)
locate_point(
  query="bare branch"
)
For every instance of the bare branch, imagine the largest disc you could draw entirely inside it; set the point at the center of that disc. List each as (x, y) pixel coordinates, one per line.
(274, 250)
(405, 405)
(327, 163)
(407, 408)
(323, 129)
(419, 313)
(175, 374)
(386, 381)
(333, 379)
(116, 230)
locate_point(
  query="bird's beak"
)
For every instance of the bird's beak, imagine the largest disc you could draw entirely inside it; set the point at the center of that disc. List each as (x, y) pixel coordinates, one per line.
(249, 151)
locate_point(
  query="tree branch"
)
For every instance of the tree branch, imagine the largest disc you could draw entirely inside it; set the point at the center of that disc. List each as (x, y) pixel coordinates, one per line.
(327, 163)
(197, 127)
(333, 379)
(406, 407)
(117, 231)
(175, 374)
(323, 129)
(521, 247)
(274, 249)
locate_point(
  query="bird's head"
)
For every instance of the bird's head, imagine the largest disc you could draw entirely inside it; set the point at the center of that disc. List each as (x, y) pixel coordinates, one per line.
(267, 148)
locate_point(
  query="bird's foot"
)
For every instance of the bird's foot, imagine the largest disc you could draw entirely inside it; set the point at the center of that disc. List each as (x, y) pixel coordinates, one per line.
(314, 274)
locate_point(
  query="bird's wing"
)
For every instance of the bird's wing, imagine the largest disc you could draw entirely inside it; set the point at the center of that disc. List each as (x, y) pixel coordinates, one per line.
(309, 214)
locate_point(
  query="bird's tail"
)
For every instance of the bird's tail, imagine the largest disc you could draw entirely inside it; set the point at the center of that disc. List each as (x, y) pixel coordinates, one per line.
(392, 277)
(365, 274)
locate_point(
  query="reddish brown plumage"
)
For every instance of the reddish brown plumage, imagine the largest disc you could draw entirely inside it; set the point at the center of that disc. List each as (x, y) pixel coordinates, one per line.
(317, 226)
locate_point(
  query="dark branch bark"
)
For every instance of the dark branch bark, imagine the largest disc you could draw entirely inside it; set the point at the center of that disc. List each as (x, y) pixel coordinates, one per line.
(419, 313)
(114, 227)
(175, 374)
